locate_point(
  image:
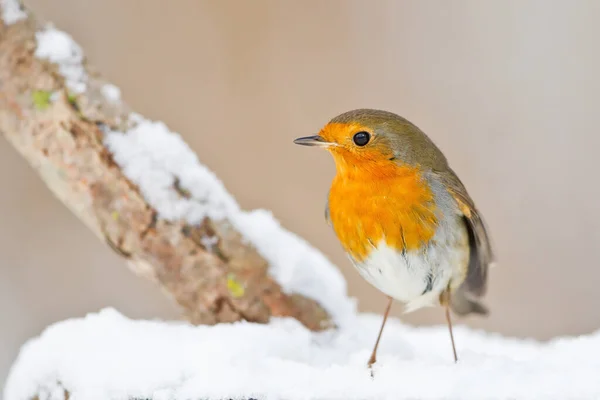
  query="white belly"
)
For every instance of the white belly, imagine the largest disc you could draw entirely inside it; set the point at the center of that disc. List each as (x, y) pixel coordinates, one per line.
(417, 278)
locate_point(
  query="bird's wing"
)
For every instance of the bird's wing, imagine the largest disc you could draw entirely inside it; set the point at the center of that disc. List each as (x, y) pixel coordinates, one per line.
(482, 255)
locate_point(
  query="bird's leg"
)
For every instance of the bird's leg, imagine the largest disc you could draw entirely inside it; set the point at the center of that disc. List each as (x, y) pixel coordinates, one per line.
(445, 301)
(373, 358)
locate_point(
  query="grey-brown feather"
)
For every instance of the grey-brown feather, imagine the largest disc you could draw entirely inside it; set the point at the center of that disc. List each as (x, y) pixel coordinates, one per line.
(482, 254)
(464, 299)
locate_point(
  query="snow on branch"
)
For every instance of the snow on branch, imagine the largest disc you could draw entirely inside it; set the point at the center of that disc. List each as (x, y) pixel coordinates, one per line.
(142, 190)
(108, 356)
(11, 11)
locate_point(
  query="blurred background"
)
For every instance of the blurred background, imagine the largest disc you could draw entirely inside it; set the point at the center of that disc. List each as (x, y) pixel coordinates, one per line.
(509, 90)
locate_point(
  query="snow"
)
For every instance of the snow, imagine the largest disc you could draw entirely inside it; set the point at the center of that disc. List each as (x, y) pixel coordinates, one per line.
(155, 159)
(111, 92)
(58, 47)
(296, 265)
(11, 11)
(108, 356)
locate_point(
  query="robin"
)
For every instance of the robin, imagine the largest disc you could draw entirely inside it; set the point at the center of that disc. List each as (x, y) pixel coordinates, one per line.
(403, 217)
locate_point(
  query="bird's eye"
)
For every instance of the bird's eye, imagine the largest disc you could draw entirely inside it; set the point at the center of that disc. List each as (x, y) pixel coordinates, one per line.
(361, 138)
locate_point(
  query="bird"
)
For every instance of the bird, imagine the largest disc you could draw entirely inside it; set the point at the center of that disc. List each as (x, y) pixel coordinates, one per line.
(403, 217)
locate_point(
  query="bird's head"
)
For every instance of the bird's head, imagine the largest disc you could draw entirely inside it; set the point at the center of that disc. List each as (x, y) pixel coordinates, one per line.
(374, 140)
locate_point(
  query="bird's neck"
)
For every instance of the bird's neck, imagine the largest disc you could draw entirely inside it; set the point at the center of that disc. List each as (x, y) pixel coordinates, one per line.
(349, 168)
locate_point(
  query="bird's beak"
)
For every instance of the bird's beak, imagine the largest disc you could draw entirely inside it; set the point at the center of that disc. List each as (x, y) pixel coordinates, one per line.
(316, 140)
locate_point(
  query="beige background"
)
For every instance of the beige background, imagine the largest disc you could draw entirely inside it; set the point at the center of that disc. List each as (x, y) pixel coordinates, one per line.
(509, 90)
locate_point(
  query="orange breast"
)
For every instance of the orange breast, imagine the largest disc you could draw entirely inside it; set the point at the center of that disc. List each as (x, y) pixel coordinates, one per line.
(395, 205)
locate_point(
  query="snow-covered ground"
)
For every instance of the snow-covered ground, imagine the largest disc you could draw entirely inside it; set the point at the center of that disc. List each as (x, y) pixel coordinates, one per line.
(108, 356)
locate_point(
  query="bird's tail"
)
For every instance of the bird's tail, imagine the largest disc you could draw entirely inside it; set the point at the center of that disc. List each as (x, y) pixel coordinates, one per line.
(463, 304)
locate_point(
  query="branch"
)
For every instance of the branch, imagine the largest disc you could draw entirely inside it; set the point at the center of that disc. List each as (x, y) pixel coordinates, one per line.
(142, 191)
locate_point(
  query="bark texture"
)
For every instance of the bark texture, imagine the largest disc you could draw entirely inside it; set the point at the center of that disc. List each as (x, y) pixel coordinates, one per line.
(62, 140)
